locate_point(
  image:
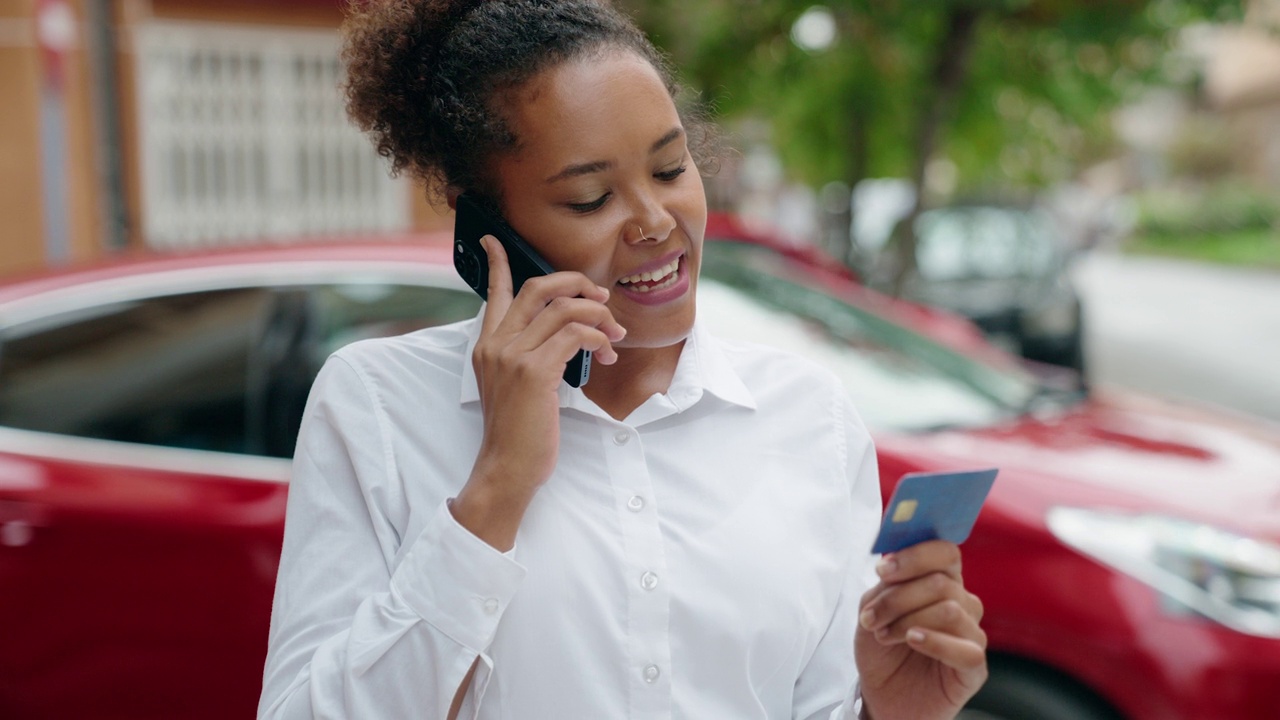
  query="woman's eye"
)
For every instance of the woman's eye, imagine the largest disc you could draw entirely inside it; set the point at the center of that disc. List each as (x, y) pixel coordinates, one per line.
(669, 175)
(589, 206)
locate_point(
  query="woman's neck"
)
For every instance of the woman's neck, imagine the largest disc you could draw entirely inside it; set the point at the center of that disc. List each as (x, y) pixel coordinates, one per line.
(623, 386)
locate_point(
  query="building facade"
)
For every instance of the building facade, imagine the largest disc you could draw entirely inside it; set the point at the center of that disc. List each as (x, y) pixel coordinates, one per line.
(169, 124)
(1243, 84)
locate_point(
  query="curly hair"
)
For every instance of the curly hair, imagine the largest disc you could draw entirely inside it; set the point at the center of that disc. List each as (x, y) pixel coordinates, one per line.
(429, 79)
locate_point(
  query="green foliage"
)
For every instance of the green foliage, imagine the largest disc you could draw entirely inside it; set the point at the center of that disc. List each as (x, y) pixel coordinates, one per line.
(1032, 107)
(1221, 209)
(1246, 248)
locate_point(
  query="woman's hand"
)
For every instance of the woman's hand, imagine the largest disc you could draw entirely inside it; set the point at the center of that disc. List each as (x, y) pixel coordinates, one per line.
(920, 652)
(519, 359)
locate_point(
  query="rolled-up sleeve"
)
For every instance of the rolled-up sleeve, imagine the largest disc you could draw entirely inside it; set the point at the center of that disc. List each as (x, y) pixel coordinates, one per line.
(351, 637)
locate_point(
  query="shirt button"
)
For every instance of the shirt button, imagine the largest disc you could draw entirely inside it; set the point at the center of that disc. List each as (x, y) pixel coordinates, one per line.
(491, 605)
(651, 674)
(622, 438)
(635, 504)
(648, 581)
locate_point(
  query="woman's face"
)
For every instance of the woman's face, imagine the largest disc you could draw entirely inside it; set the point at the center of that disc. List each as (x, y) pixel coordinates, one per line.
(602, 182)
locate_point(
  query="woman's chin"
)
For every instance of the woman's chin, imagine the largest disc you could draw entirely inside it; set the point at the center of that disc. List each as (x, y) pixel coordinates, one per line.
(654, 340)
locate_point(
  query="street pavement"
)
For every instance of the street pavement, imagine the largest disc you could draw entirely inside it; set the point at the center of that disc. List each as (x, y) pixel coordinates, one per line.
(1183, 330)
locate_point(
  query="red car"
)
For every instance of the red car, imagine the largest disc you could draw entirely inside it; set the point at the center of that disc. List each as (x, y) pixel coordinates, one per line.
(1128, 556)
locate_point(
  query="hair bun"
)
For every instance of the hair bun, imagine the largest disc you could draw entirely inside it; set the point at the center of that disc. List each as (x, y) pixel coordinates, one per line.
(429, 80)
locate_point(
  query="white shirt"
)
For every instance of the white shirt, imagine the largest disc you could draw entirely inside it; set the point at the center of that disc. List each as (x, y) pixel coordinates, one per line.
(702, 559)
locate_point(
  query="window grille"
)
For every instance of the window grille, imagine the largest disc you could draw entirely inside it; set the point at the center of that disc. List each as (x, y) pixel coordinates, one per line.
(244, 135)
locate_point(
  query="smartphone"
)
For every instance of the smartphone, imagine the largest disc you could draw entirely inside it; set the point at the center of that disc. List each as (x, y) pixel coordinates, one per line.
(473, 221)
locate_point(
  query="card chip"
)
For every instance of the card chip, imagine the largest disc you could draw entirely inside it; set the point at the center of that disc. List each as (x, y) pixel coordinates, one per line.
(904, 510)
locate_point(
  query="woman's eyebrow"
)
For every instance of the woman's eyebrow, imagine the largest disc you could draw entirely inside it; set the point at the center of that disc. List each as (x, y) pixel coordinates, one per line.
(672, 135)
(571, 171)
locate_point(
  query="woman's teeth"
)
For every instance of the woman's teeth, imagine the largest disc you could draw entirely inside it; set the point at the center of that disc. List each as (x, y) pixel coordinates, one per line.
(663, 277)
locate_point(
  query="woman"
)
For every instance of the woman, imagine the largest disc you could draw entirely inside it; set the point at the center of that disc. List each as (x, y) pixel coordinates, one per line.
(685, 536)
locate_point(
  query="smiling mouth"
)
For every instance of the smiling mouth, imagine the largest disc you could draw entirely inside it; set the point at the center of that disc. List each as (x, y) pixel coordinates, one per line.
(660, 279)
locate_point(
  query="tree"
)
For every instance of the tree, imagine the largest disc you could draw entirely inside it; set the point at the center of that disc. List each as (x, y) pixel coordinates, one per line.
(1012, 92)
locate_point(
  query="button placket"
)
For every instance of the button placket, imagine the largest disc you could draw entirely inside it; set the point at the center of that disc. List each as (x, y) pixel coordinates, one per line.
(644, 564)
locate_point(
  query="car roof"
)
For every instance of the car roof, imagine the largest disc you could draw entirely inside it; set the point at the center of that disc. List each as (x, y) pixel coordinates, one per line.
(426, 248)
(410, 254)
(432, 247)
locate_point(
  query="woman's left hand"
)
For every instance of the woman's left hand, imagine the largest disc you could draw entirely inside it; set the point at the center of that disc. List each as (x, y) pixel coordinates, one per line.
(920, 651)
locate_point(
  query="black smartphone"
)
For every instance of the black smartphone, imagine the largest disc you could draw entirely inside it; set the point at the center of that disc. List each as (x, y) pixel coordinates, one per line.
(472, 221)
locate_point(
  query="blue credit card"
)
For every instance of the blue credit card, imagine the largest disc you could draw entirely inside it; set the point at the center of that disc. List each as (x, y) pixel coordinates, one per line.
(933, 506)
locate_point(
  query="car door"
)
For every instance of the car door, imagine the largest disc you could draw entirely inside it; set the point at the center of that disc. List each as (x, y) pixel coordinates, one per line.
(137, 542)
(143, 484)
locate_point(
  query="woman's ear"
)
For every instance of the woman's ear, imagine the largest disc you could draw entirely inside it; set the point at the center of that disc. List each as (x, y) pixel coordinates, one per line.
(451, 194)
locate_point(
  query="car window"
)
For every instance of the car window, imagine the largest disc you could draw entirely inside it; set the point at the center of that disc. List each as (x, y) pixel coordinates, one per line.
(162, 371)
(354, 311)
(229, 370)
(304, 333)
(984, 242)
(226, 370)
(898, 378)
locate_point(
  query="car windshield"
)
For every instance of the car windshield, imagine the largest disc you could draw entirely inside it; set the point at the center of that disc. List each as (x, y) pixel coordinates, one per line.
(899, 379)
(984, 242)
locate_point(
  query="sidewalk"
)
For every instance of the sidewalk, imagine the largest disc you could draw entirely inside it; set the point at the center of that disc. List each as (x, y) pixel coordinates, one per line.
(1183, 330)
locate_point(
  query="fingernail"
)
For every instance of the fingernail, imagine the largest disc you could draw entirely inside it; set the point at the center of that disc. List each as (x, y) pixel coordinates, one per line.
(882, 633)
(915, 636)
(867, 618)
(886, 566)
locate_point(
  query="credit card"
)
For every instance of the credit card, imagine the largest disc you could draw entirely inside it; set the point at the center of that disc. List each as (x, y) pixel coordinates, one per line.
(933, 506)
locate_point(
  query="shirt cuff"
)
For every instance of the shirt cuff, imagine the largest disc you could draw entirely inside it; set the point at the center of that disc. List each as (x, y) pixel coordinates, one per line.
(852, 705)
(457, 582)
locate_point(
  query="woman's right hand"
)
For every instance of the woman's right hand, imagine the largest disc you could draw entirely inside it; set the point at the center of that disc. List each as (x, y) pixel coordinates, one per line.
(525, 342)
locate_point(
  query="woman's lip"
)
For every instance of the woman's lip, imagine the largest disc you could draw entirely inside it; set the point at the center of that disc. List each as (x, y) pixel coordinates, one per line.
(677, 290)
(654, 264)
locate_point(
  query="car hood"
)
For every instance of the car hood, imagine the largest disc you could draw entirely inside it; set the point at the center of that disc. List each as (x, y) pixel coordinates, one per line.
(1123, 452)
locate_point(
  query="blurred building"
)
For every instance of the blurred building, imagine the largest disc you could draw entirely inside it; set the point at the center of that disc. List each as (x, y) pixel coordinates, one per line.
(1242, 81)
(180, 123)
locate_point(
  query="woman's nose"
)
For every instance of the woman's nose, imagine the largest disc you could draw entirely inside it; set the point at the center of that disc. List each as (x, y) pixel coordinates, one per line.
(653, 226)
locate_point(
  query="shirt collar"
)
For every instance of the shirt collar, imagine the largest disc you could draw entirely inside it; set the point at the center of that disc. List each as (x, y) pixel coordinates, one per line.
(470, 388)
(703, 368)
